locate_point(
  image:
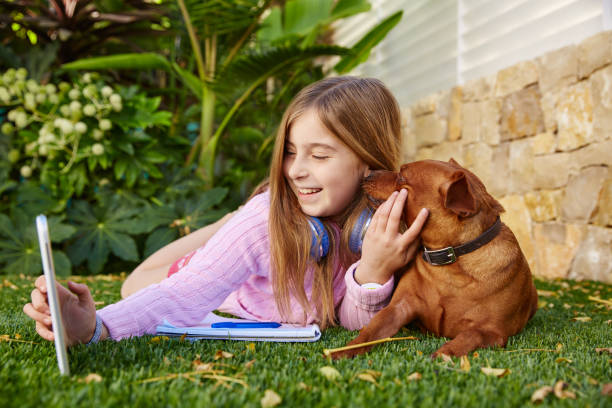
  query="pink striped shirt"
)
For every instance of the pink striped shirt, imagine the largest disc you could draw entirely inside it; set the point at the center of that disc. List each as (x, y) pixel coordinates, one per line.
(231, 274)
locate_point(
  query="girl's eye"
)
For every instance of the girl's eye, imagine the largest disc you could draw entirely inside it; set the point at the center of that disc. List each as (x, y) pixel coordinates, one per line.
(320, 157)
(288, 153)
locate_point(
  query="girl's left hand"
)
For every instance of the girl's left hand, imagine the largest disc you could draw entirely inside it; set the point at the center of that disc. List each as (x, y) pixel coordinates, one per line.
(384, 249)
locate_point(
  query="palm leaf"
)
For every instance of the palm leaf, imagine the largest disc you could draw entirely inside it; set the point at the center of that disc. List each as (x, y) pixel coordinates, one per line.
(121, 61)
(361, 50)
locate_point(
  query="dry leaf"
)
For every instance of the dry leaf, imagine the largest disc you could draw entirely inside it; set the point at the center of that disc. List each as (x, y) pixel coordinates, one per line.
(607, 389)
(581, 319)
(561, 390)
(559, 347)
(304, 386)
(446, 358)
(157, 339)
(542, 304)
(182, 338)
(475, 354)
(416, 376)
(540, 394)
(465, 364)
(497, 372)
(251, 347)
(419, 353)
(608, 321)
(248, 364)
(167, 361)
(397, 381)
(563, 360)
(222, 354)
(270, 399)
(565, 305)
(367, 377)
(93, 377)
(604, 350)
(329, 372)
(546, 293)
(17, 336)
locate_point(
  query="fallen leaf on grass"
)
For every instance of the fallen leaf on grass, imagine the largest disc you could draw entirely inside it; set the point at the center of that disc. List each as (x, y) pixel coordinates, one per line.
(99, 303)
(17, 336)
(546, 293)
(561, 390)
(563, 360)
(248, 364)
(222, 354)
(446, 358)
(475, 354)
(416, 376)
(183, 336)
(603, 350)
(581, 319)
(607, 389)
(157, 339)
(497, 372)
(465, 364)
(367, 377)
(567, 306)
(251, 347)
(329, 372)
(559, 347)
(93, 377)
(542, 303)
(270, 399)
(304, 386)
(540, 394)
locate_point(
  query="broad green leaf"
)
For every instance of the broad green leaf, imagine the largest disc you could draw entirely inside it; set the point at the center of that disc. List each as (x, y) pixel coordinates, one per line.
(158, 239)
(122, 245)
(361, 51)
(194, 83)
(121, 61)
(302, 16)
(347, 8)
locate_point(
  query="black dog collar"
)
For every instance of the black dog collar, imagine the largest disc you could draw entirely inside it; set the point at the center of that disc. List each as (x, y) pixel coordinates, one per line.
(449, 255)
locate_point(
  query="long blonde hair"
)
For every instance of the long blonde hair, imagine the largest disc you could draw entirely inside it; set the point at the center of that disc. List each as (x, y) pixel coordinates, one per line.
(364, 115)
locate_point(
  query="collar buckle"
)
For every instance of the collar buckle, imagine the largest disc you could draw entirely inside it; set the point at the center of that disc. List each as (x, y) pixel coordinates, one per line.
(442, 256)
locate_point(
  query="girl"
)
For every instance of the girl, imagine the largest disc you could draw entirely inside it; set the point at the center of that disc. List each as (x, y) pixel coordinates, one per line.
(264, 263)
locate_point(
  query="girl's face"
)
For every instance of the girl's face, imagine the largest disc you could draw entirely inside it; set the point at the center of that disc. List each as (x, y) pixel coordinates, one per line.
(323, 172)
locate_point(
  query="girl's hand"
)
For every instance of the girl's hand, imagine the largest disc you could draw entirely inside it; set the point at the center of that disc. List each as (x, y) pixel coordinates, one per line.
(77, 308)
(384, 249)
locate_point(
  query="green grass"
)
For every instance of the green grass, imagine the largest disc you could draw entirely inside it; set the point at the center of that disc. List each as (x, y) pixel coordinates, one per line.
(29, 374)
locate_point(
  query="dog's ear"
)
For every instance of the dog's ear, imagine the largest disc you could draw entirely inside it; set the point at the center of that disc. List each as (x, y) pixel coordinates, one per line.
(453, 161)
(458, 196)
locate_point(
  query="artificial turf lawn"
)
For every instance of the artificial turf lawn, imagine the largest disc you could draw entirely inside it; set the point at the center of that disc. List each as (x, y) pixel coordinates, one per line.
(29, 374)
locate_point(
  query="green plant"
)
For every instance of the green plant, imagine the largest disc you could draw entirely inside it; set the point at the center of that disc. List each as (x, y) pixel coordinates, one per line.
(236, 51)
(82, 135)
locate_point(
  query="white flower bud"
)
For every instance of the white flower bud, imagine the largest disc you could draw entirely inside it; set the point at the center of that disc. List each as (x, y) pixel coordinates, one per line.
(97, 149)
(29, 101)
(54, 99)
(41, 98)
(26, 171)
(75, 106)
(117, 108)
(43, 150)
(21, 120)
(87, 78)
(21, 73)
(65, 110)
(80, 127)
(58, 121)
(89, 110)
(32, 85)
(115, 99)
(64, 86)
(5, 97)
(74, 94)
(49, 138)
(13, 156)
(7, 128)
(30, 147)
(66, 127)
(12, 115)
(107, 91)
(97, 134)
(105, 124)
(50, 89)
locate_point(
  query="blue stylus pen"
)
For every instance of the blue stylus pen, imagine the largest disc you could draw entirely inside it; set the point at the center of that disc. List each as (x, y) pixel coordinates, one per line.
(245, 325)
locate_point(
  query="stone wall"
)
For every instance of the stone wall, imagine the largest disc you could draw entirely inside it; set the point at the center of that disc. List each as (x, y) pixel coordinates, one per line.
(539, 135)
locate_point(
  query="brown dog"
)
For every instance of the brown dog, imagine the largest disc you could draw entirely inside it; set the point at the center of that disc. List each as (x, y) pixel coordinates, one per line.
(480, 299)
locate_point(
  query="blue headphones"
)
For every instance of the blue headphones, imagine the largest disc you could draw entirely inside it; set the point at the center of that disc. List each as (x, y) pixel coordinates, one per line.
(320, 241)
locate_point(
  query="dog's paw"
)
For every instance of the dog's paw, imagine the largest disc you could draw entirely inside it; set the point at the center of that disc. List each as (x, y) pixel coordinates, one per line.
(350, 353)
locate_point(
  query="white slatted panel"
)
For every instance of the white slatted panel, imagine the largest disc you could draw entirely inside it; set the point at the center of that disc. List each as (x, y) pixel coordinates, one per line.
(496, 34)
(420, 55)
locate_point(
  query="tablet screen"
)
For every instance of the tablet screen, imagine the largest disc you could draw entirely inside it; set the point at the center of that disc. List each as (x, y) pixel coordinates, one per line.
(49, 271)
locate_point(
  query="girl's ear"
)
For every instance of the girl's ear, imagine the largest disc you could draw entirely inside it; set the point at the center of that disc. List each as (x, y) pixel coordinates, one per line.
(366, 171)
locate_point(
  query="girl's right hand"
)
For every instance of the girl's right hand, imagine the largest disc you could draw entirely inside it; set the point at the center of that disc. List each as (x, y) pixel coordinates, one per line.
(77, 308)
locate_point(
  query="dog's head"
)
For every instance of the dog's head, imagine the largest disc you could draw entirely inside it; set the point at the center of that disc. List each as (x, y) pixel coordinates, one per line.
(452, 194)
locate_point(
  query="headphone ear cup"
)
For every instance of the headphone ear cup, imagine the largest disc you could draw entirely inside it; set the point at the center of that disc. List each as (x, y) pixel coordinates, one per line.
(359, 230)
(320, 241)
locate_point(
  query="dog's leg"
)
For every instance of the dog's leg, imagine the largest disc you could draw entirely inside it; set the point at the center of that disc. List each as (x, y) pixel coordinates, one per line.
(385, 323)
(469, 340)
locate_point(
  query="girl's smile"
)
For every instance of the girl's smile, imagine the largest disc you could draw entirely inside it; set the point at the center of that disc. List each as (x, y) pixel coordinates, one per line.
(323, 172)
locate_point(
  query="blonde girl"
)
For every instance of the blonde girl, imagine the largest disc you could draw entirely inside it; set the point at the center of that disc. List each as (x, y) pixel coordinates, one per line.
(263, 262)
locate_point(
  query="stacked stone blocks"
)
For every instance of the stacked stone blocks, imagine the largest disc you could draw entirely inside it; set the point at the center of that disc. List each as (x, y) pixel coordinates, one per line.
(539, 135)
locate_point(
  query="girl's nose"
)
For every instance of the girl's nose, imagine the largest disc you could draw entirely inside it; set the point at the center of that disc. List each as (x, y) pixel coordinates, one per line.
(297, 168)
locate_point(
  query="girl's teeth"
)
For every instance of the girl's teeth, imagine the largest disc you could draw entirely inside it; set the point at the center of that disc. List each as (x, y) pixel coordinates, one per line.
(309, 190)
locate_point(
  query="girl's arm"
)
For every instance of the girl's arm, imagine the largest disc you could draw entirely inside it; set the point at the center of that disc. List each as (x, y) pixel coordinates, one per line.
(155, 268)
(240, 249)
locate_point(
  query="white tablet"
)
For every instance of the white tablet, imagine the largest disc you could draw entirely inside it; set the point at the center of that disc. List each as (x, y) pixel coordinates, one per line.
(56, 318)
